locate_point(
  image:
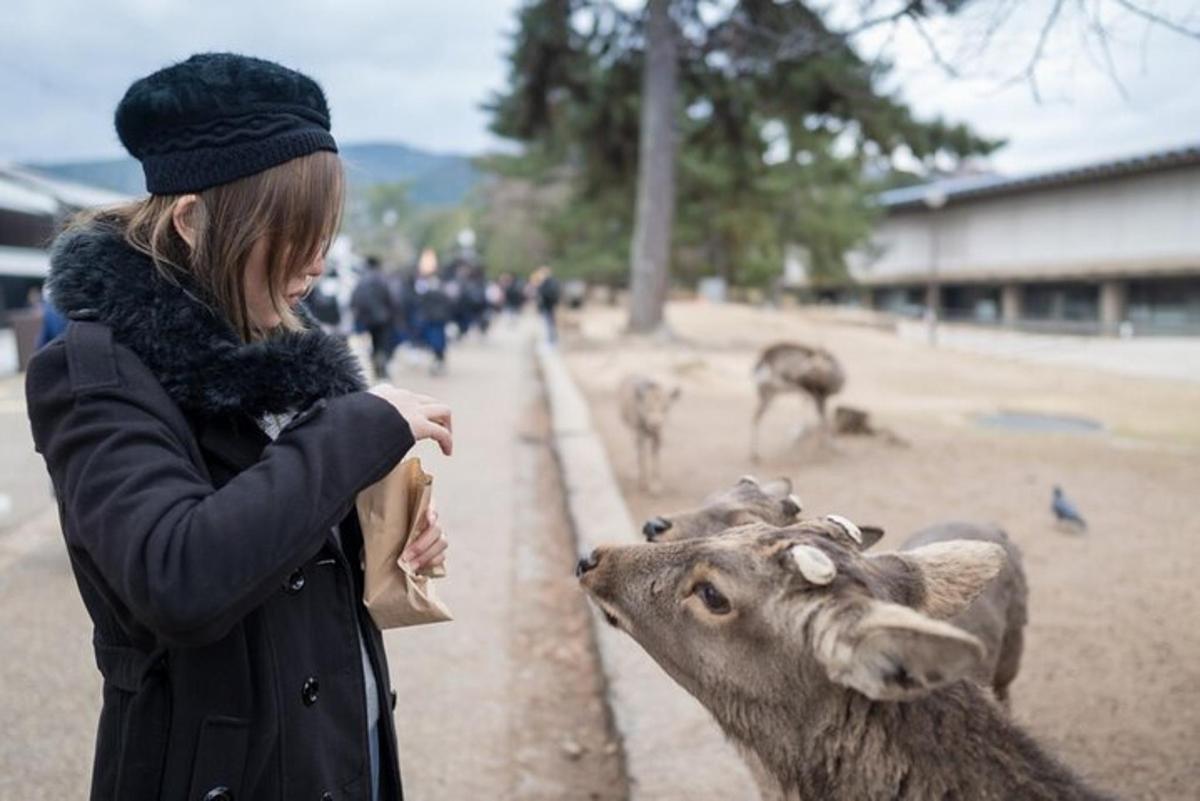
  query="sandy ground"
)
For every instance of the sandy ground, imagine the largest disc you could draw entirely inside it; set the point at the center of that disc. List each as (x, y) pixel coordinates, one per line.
(1111, 676)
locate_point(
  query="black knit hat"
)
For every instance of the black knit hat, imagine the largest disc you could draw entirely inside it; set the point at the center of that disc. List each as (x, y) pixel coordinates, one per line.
(218, 117)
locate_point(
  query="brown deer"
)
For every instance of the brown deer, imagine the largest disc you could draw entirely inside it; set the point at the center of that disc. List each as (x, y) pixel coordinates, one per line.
(644, 404)
(833, 671)
(747, 501)
(792, 367)
(996, 617)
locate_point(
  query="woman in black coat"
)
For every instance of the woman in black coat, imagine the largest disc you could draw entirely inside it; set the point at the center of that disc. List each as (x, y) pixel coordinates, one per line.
(206, 441)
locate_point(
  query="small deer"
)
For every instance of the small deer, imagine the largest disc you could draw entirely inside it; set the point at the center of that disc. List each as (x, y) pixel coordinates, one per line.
(792, 367)
(833, 671)
(996, 617)
(644, 404)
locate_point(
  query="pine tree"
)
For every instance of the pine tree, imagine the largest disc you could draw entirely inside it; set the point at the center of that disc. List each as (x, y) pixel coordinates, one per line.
(733, 130)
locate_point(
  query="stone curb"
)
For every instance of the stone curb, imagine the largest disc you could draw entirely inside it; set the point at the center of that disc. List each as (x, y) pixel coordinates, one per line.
(674, 751)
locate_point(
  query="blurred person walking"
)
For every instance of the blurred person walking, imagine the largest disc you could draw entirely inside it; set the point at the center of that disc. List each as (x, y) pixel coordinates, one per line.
(207, 441)
(400, 289)
(325, 306)
(434, 308)
(371, 304)
(548, 294)
(514, 294)
(471, 309)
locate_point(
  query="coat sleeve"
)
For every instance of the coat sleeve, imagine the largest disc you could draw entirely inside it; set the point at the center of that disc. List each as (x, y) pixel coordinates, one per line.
(189, 560)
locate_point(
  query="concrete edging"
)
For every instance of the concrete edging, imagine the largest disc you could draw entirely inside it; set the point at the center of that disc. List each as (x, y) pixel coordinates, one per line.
(674, 751)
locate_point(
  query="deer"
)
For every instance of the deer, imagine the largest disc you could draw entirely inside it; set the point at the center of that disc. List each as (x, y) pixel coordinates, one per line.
(644, 404)
(833, 671)
(793, 367)
(747, 501)
(997, 617)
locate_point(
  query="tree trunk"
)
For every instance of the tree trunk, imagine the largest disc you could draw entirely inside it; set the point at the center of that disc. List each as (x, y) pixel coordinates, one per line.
(655, 210)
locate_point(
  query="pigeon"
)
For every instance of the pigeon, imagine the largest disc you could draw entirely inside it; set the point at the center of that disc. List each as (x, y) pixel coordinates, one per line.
(1065, 511)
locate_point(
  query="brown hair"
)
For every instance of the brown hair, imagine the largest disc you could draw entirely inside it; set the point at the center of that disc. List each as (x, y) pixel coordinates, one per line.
(295, 207)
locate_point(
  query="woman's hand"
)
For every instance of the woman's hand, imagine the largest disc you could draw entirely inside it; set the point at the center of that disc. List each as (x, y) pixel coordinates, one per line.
(428, 549)
(428, 417)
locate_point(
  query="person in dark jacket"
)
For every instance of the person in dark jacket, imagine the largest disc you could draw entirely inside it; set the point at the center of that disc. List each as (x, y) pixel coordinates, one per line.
(548, 293)
(374, 313)
(207, 441)
(323, 302)
(434, 308)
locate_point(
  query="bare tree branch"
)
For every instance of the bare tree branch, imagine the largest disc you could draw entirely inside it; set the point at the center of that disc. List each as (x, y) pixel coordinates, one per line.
(1157, 19)
(1030, 72)
(909, 9)
(934, 53)
(1096, 25)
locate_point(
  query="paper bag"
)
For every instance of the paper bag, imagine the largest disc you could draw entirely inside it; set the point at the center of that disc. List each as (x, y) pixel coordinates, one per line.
(390, 513)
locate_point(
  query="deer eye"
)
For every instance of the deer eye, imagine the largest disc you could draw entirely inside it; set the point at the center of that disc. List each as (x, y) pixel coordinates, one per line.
(712, 598)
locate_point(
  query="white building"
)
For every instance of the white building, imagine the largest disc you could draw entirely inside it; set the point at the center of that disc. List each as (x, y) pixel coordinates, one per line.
(32, 209)
(1086, 249)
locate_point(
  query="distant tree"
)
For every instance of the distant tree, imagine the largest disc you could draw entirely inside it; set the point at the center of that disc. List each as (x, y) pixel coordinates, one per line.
(720, 109)
(778, 119)
(658, 145)
(381, 219)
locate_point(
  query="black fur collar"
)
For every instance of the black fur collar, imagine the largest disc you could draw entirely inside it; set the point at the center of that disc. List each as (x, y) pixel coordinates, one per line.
(192, 350)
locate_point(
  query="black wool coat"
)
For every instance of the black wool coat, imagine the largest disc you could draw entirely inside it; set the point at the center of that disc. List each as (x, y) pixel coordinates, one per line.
(227, 616)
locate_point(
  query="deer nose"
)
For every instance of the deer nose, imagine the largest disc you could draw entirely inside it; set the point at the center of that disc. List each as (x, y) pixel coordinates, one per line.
(655, 527)
(587, 563)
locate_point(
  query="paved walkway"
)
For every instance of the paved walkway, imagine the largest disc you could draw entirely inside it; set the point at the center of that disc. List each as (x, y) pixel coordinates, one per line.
(453, 681)
(455, 711)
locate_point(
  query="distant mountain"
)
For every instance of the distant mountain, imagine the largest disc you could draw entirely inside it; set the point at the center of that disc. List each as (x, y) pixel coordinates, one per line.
(434, 179)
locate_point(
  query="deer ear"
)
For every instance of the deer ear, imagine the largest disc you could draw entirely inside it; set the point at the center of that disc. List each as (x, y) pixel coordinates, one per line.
(792, 506)
(870, 535)
(894, 653)
(954, 573)
(848, 533)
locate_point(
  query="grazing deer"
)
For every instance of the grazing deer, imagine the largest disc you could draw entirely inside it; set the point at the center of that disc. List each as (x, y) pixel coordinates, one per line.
(791, 367)
(833, 671)
(996, 617)
(644, 405)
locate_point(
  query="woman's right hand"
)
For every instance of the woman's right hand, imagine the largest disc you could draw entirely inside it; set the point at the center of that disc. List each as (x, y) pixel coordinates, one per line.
(428, 417)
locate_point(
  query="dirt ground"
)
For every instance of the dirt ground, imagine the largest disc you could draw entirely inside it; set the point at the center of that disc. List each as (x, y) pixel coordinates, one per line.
(1111, 675)
(563, 740)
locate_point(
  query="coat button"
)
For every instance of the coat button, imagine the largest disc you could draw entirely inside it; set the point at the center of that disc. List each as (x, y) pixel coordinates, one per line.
(218, 794)
(310, 691)
(295, 582)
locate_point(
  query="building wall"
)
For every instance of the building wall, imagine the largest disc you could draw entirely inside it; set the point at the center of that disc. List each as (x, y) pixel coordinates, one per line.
(1139, 225)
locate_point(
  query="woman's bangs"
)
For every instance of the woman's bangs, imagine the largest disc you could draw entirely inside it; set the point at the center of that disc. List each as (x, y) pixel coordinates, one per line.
(305, 210)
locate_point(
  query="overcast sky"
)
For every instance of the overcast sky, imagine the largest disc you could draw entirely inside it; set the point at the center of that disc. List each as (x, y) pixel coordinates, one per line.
(416, 71)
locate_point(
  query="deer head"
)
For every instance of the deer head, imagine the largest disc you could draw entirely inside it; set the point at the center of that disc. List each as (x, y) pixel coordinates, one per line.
(761, 614)
(748, 501)
(653, 401)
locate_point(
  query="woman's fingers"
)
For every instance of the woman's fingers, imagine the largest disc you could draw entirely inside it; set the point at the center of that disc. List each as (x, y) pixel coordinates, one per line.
(438, 413)
(428, 417)
(441, 436)
(418, 550)
(426, 559)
